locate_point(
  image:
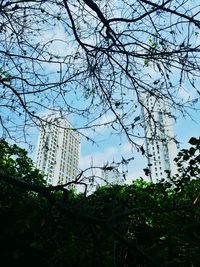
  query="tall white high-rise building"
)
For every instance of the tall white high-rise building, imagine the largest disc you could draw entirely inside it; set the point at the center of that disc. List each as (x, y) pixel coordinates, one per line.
(161, 145)
(58, 151)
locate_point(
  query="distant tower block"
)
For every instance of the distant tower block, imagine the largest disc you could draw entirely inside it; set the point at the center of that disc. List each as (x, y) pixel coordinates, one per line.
(111, 175)
(161, 146)
(58, 151)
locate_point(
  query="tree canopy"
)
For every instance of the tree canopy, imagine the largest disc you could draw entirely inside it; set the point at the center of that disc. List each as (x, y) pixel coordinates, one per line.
(142, 224)
(90, 58)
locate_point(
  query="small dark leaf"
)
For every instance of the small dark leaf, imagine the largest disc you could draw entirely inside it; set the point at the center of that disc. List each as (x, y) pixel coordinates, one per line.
(193, 141)
(146, 171)
(117, 104)
(137, 118)
(109, 168)
(142, 150)
(192, 150)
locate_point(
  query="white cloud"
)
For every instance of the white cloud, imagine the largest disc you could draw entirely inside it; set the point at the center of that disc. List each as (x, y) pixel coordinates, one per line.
(186, 95)
(106, 118)
(98, 158)
(183, 94)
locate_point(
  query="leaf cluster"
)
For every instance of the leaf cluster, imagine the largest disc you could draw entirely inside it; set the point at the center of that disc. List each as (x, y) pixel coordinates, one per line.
(141, 224)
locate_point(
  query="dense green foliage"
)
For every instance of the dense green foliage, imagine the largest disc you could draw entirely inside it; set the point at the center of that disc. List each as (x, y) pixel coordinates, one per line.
(142, 224)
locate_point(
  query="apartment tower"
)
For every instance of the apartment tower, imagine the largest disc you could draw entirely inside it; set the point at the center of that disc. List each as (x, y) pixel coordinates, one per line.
(161, 145)
(57, 151)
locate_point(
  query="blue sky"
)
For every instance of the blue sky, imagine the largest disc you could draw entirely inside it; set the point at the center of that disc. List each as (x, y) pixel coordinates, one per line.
(109, 146)
(112, 148)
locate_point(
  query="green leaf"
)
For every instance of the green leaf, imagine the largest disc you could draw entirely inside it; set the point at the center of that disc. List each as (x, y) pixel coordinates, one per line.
(146, 62)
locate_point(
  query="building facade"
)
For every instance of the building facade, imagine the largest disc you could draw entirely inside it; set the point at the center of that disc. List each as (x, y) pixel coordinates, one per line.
(161, 145)
(58, 151)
